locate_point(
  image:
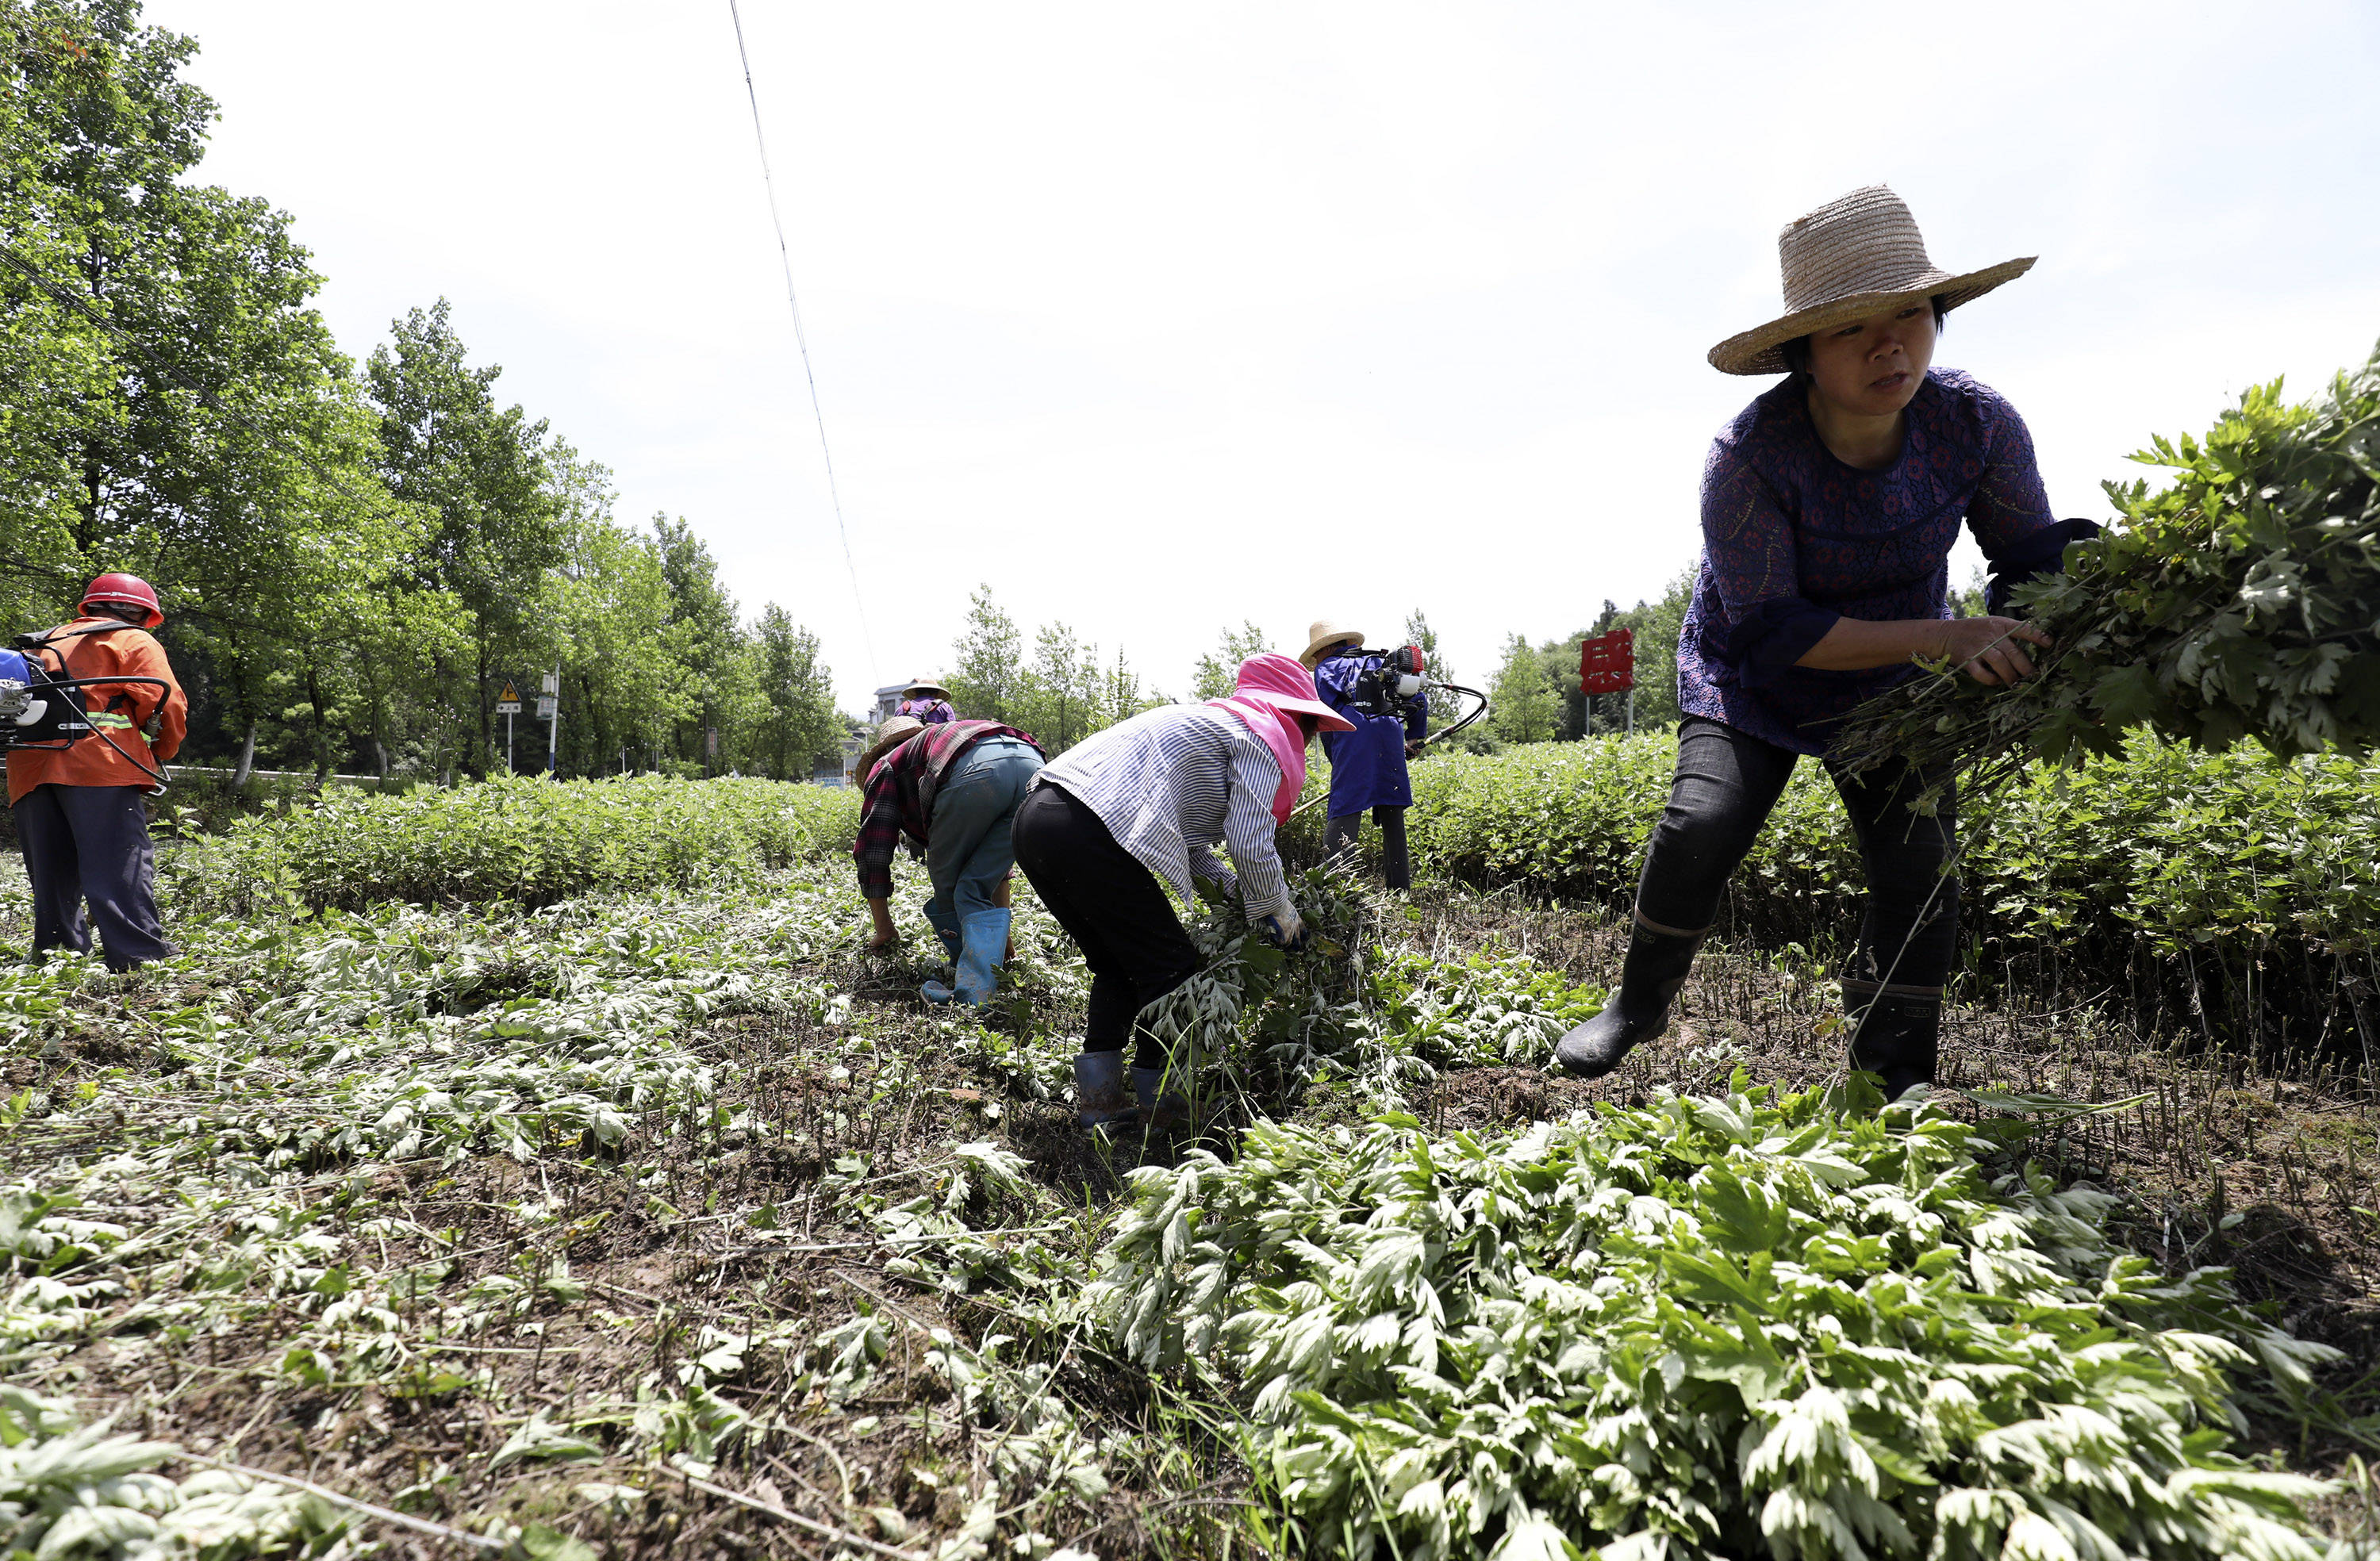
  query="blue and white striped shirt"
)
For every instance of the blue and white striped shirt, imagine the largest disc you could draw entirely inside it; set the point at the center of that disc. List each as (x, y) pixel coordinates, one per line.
(1172, 782)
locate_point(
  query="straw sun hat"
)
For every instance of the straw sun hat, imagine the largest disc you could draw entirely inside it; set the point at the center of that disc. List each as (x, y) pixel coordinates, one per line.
(888, 736)
(1855, 256)
(1324, 634)
(928, 685)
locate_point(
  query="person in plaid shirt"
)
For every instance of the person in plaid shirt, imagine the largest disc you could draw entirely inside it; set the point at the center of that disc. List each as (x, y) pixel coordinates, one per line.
(949, 791)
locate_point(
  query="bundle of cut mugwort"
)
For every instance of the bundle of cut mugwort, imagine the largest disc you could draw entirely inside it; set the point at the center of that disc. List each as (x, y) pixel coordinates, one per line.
(2241, 601)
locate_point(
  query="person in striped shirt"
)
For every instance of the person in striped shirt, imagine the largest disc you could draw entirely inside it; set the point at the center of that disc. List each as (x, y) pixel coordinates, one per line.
(1135, 810)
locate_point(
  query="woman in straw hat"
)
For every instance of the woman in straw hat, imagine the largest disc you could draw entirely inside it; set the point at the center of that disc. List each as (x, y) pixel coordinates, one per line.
(1367, 764)
(927, 700)
(951, 790)
(1829, 506)
(1137, 809)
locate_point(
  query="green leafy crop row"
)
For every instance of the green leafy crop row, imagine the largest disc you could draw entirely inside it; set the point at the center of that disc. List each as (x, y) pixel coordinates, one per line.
(529, 841)
(1738, 1326)
(2235, 885)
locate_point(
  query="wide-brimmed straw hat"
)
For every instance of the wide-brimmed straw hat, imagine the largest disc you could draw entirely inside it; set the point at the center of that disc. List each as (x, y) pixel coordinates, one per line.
(927, 686)
(1857, 255)
(1273, 678)
(1324, 634)
(891, 735)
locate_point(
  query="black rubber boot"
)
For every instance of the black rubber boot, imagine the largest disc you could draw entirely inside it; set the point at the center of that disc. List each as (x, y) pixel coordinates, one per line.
(1099, 1098)
(1896, 1033)
(1659, 959)
(1396, 859)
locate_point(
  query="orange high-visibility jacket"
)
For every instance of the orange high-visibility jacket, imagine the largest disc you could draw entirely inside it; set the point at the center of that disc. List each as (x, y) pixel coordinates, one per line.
(120, 712)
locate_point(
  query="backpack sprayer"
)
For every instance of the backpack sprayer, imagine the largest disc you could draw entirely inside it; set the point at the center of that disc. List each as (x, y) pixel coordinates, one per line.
(42, 707)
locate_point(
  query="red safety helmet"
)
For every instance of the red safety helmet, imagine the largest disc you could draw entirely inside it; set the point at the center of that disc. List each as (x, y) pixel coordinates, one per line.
(130, 589)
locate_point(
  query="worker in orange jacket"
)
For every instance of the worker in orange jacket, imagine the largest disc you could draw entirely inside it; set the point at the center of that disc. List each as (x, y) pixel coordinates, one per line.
(81, 816)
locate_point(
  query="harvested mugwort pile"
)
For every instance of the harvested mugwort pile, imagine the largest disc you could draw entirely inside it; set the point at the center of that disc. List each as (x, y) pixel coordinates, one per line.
(1747, 1325)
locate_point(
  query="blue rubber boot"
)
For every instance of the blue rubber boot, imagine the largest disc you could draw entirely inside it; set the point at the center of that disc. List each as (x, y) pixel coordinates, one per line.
(945, 923)
(980, 960)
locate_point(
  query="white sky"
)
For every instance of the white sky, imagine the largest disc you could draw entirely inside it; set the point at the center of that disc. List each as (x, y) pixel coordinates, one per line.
(1156, 319)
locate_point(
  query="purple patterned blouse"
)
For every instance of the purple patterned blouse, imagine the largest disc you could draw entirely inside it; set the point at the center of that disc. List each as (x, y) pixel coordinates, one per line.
(1794, 539)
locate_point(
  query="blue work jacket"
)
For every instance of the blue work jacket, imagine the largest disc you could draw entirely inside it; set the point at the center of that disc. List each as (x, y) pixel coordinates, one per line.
(1367, 764)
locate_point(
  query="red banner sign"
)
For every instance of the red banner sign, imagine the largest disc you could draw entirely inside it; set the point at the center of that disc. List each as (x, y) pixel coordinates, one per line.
(1607, 663)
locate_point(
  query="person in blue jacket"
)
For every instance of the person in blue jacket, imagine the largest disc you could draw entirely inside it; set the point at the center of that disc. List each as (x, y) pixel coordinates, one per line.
(1367, 764)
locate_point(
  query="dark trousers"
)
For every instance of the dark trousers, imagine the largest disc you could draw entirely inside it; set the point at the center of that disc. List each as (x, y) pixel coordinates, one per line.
(1726, 784)
(1396, 866)
(92, 843)
(1113, 906)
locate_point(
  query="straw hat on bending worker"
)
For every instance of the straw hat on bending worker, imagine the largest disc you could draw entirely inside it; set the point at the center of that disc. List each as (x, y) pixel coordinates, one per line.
(889, 736)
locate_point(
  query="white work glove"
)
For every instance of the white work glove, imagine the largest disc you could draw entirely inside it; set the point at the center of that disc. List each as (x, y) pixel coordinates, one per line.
(1285, 930)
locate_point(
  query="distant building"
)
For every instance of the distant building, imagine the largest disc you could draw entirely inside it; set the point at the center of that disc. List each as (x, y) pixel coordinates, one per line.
(888, 701)
(835, 769)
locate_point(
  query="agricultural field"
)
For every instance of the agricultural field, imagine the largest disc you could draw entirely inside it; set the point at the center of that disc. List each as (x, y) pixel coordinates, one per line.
(547, 1170)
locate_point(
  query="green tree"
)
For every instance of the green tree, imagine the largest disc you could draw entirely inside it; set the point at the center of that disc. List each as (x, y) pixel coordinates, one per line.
(208, 434)
(481, 474)
(1970, 602)
(54, 364)
(715, 689)
(1121, 697)
(1525, 705)
(390, 645)
(624, 682)
(1061, 689)
(802, 725)
(987, 682)
(1217, 674)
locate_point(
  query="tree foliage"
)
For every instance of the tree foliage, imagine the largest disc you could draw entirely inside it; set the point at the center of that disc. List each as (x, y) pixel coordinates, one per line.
(1216, 674)
(1524, 703)
(1061, 695)
(354, 562)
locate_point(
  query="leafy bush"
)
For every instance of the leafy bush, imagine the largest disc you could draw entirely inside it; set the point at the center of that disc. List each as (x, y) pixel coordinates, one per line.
(1706, 1327)
(2235, 885)
(2241, 601)
(532, 841)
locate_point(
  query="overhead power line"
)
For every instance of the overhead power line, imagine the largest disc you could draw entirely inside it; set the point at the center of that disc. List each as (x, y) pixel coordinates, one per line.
(786, 259)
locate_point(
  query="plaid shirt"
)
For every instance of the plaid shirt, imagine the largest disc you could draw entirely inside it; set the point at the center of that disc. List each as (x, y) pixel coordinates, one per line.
(900, 796)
